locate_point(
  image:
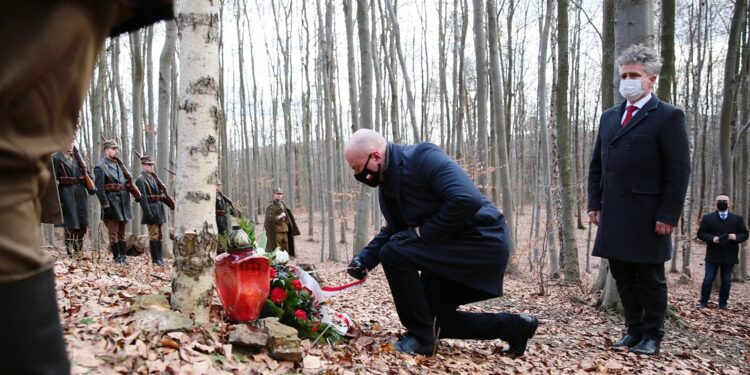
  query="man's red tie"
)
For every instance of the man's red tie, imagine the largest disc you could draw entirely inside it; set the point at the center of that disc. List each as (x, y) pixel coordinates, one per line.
(629, 115)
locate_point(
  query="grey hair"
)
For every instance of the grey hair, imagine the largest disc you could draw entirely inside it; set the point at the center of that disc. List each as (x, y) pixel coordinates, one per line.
(645, 55)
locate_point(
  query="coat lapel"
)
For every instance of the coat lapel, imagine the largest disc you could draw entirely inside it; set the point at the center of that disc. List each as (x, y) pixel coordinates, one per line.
(639, 117)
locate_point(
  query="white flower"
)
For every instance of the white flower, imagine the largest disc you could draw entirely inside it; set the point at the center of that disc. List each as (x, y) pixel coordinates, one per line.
(280, 256)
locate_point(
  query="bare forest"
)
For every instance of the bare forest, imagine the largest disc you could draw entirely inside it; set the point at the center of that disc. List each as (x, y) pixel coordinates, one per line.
(263, 94)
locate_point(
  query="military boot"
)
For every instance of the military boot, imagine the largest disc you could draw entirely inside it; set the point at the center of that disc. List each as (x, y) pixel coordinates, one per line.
(114, 248)
(70, 246)
(122, 249)
(155, 248)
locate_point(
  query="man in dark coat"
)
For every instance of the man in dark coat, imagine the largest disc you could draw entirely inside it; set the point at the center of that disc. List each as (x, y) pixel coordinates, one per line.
(638, 178)
(444, 245)
(223, 208)
(722, 231)
(152, 205)
(47, 54)
(280, 225)
(111, 188)
(73, 199)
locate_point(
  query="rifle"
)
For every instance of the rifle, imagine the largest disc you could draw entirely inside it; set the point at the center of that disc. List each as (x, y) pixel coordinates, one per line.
(167, 199)
(229, 201)
(130, 184)
(84, 171)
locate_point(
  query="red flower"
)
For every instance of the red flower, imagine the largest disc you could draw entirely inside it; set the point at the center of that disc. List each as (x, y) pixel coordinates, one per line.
(300, 314)
(273, 273)
(278, 295)
(297, 284)
(314, 328)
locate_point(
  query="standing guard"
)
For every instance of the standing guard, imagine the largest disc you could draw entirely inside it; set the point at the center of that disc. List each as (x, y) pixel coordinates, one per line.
(112, 190)
(152, 197)
(223, 206)
(72, 187)
(280, 225)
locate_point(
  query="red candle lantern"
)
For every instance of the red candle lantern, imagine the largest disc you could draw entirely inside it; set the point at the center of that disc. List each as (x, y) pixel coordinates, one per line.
(242, 279)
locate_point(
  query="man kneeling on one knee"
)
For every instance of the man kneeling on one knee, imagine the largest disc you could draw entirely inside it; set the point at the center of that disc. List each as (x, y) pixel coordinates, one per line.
(444, 245)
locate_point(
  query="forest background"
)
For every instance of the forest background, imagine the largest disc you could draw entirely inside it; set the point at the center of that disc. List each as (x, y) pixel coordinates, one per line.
(290, 81)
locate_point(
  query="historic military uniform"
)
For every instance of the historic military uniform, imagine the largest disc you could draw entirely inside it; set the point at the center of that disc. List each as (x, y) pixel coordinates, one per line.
(73, 199)
(111, 188)
(47, 54)
(153, 210)
(280, 226)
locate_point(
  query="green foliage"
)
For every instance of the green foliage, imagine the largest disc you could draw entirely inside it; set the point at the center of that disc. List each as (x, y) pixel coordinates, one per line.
(86, 321)
(295, 306)
(248, 227)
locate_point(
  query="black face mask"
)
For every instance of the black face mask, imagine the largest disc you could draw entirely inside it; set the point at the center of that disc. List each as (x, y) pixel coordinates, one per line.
(369, 177)
(722, 206)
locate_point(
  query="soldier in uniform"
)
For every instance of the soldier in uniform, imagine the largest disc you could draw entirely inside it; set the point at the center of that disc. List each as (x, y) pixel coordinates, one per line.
(280, 225)
(223, 207)
(47, 54)
(73, 199)
(153, 210)
(111, 188)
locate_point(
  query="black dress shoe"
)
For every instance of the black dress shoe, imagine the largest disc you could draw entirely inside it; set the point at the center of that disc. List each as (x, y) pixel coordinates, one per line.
(524, 330)
(647, 346)
(410, 345)
(627, 341)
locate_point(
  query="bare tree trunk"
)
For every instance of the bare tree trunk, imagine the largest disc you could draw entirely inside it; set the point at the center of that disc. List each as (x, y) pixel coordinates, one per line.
(407, 80)
(362, 219)
(666, 76)
(328, 69)
(569, 252)
(196, 237)
(480, 50)
(729, 91)
(137, 76)
(500, 125)
(166, 64)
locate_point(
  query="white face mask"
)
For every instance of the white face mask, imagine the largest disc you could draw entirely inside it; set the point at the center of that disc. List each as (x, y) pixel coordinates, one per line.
(631, 89)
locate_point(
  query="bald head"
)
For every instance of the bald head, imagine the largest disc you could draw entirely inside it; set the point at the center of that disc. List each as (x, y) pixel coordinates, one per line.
(363, 143)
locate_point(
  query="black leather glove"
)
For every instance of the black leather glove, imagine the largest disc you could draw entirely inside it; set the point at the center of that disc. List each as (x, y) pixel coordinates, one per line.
(406, 236)
(356, 269)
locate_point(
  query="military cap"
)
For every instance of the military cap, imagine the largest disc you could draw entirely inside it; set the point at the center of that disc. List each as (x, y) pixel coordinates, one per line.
(278, 190)
(110, 143)
(146, 159)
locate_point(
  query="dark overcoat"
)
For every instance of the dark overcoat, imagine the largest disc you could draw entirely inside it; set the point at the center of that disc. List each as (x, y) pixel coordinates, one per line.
(638, 175)
(463, 235)
(725, 252)
(153, 210)
(73, 199)
(221, 220)
(108, 172)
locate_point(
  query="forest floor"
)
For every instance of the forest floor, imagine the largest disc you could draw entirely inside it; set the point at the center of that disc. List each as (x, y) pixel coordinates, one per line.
(573, 337)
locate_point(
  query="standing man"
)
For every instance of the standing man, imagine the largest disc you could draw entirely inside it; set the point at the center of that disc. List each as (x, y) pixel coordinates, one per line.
(111, 187)
(638, 177)
(722, 231)
(73, 199)
(280, 225)
(47, 55)
(444, 245)
(154, 216)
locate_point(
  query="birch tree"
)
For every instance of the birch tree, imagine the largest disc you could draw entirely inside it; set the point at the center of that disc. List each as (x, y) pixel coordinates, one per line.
(196, 237)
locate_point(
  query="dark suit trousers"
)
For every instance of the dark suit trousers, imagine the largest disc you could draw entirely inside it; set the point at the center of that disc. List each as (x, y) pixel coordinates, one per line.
(708, 280)
(643, 290)
(422, 300)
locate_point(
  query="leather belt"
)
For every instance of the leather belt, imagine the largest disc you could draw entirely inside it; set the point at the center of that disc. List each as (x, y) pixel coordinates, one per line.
(114, 187)
(70, 180)
(155, 198)
(221, 213)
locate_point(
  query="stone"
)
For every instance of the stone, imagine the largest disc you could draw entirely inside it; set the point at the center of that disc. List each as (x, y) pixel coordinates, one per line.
(161, 321)
(247, 335)
(283, 343)
(156, 302)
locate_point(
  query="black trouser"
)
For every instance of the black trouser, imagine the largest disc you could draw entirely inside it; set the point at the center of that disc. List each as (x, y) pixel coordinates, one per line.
(643, 291)
(708, 280)
(419, 300)
(32, 339)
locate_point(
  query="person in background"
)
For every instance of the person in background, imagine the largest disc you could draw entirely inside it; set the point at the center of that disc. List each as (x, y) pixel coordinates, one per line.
(73, 199)
(638, 178)
(722, 231)
(280, 225)
(152, 204)
(111, 188)
(444, 245)
(47, 54)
